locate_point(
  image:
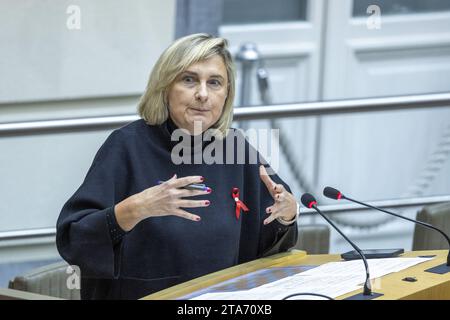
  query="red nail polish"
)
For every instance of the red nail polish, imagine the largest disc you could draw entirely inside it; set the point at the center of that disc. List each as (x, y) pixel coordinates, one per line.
(201, 179)
(269, 210)
(207, 202)
(197, 218)
(208, 190)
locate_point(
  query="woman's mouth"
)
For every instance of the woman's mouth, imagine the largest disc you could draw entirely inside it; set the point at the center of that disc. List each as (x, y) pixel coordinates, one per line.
(199, 110)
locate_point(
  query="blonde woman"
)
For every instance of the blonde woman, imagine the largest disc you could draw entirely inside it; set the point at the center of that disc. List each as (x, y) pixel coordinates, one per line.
(148, 216)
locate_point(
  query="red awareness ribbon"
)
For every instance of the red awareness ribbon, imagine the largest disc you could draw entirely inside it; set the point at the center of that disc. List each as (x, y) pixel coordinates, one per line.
(239, 204)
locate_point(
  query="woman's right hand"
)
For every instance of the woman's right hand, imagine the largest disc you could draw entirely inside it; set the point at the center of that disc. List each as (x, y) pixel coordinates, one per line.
(161, 200)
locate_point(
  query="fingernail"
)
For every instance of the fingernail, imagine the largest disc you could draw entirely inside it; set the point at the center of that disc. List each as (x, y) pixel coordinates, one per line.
(197, 219)
(208, 190)
(265, 222)
(269, 210)
(207, 202)
(201, 179)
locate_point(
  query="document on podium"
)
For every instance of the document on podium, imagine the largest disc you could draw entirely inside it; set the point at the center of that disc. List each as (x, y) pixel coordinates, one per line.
(331, 279)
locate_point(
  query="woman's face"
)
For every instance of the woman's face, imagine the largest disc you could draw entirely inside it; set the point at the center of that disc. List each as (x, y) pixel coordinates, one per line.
(198, 94)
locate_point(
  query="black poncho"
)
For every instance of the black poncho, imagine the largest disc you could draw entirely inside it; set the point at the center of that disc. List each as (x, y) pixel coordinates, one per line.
(162, 251)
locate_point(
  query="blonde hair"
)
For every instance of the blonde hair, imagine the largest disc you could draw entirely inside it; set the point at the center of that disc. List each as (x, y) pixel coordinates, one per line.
(173, 61)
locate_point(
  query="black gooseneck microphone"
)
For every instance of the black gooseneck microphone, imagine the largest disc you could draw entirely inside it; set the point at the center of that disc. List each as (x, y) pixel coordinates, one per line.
(332, 193)
(309, 201)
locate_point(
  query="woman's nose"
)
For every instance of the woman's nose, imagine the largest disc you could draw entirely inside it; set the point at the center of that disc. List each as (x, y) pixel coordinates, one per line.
(202, 92)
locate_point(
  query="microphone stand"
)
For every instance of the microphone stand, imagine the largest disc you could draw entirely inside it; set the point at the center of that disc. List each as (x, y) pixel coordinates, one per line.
(367, 291)
(440, 269)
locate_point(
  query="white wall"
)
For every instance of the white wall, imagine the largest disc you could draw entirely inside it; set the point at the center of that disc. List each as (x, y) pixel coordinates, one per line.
(50, 72)
(111, 54)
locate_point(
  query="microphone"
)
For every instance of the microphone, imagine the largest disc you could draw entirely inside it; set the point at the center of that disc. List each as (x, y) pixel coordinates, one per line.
(309, 201)
(335, 194)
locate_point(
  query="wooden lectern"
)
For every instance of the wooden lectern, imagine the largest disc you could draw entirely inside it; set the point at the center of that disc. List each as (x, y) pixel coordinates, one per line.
(429, 286)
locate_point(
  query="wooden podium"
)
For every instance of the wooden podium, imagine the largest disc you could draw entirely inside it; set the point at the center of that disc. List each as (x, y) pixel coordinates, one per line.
(429, 286)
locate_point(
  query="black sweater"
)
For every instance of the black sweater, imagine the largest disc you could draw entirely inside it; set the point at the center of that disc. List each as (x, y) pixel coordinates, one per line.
(160, 252)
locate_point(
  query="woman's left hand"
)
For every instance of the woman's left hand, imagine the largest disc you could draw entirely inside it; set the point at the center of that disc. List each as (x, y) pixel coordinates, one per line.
(285, 206)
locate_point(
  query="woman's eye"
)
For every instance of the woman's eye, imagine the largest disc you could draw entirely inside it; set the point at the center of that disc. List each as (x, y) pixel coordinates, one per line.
(188, 79)
(215, 83)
